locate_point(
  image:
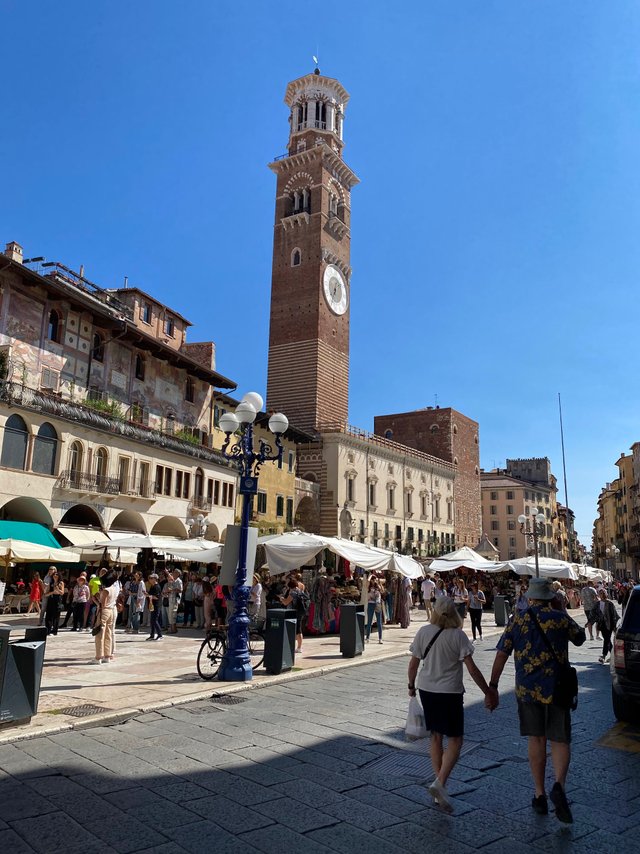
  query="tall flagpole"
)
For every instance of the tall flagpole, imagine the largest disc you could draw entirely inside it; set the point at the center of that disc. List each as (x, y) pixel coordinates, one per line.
(564, 474)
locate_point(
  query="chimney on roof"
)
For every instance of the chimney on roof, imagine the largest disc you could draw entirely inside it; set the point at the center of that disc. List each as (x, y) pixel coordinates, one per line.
(13, 251)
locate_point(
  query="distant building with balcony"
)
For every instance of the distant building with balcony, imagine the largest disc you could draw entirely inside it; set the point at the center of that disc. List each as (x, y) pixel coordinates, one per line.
(377, 491)
(106, 411)
(523, 487)
(616, 530)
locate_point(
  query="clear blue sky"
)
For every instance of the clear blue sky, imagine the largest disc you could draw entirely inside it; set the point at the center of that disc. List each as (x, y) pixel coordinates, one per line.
(494, 236)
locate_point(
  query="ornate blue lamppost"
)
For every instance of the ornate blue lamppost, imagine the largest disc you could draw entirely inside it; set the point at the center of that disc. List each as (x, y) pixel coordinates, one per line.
(235, 665)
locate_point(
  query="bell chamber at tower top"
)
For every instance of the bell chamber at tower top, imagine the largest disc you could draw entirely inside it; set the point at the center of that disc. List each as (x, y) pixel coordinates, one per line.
(317, 106)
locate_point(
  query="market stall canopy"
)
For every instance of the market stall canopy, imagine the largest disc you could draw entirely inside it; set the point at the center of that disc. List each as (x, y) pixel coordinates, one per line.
(548, 567)
(592, 573)
(286, 552)
(289, 551)
(207, 552)
(167, 545)
(21, 551)
(83, 543)
(465, 558)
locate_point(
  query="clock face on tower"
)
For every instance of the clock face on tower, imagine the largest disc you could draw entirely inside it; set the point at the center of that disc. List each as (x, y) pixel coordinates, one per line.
(335, 290)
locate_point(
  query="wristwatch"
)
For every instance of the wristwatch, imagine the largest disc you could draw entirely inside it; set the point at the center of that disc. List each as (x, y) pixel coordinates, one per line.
(493, 685)
(411, 687)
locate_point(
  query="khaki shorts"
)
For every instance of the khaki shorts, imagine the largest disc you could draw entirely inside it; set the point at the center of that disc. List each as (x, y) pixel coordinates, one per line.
(546, 720)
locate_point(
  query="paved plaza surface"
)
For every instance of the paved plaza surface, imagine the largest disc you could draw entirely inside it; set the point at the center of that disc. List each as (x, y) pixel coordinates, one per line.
(149, 675)
(312, 765)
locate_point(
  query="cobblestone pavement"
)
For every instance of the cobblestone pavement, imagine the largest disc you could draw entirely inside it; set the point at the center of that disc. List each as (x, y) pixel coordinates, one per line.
(315, 765)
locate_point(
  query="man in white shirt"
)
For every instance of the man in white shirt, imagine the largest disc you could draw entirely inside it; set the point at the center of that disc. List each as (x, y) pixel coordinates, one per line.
(427, 588)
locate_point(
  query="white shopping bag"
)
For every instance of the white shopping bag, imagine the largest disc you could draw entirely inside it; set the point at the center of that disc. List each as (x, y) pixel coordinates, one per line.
(416, 727)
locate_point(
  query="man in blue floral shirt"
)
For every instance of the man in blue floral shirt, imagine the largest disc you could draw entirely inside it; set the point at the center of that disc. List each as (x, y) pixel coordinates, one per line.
(536, 669)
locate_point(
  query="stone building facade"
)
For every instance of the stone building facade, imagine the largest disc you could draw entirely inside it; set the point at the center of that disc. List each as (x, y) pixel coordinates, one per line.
(380, 492)
(106, 417)
(507, 494)
(451, 436)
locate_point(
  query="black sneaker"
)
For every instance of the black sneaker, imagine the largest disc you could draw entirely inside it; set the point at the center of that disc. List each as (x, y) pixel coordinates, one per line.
(540, 805)
(560, 802)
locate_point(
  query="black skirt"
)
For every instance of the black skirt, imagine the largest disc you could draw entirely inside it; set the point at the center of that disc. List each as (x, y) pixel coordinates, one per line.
(443, 713)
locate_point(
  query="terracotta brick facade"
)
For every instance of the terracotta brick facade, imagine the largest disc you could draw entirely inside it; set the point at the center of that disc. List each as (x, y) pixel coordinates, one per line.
(451, 436)
(308, 371)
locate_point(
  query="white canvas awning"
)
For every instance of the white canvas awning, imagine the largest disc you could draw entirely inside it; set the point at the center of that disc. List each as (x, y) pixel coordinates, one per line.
(286, 552)
(207, 552)
(20, 551)
(465, 558)
(83, 543)
(548, 567)
(167, 545)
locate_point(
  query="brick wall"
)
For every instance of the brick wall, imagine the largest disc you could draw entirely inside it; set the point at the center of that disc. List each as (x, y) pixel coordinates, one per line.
(451, 436)
(202, 352)
(308, 368)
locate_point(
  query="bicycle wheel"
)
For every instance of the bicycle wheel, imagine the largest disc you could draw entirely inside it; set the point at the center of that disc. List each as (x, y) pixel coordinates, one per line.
(256, 649)
(210, 656)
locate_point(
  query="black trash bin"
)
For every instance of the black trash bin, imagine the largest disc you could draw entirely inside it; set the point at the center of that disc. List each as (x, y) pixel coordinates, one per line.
(21, 663)
(279, 640)
(351, 630)
(501, 610)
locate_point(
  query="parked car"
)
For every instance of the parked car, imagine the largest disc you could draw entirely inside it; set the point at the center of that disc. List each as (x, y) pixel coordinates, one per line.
(625, 663)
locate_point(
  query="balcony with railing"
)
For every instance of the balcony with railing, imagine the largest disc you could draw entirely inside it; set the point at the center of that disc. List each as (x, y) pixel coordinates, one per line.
(199, 501)
(87, 482)
(107, 416)
(381, 442)
(90, 483)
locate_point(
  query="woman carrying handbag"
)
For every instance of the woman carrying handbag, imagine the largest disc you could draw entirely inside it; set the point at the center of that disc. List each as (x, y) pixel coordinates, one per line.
(442, 646)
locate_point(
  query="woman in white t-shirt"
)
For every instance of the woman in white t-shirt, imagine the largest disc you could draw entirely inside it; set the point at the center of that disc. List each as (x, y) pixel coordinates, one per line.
(460, 597)
(443, 647)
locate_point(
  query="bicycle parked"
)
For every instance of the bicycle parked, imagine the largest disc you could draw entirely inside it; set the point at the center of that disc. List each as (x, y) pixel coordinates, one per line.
(214, 646)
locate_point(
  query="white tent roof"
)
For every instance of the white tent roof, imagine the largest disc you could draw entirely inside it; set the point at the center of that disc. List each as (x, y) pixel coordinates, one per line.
(168, 545)
(83, 542)
(464, 558)
(22, 551)
(549, 567)
(211, 554)
(293, 550)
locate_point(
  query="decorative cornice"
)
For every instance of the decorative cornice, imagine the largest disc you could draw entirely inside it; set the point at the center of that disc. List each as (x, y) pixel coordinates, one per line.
(332, 258)
(298, 219)
(336, 227)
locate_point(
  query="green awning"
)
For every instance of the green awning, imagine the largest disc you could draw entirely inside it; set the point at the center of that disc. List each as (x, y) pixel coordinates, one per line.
(31, 532)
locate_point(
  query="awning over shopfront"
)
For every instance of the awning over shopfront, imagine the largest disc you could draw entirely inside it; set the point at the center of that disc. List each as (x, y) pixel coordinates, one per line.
(83, 543)
(167, 545)
(295, 549)
(28, 532)
(20, 551)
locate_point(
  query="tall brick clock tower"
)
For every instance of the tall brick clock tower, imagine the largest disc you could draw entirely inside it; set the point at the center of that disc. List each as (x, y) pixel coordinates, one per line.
(308, 372)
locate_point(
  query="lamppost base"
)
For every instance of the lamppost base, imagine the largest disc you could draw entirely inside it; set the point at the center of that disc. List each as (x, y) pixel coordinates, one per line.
(234, 669)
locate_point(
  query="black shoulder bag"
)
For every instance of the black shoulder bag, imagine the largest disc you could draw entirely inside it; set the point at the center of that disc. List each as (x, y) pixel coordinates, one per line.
(565, 689)
(431, 643)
